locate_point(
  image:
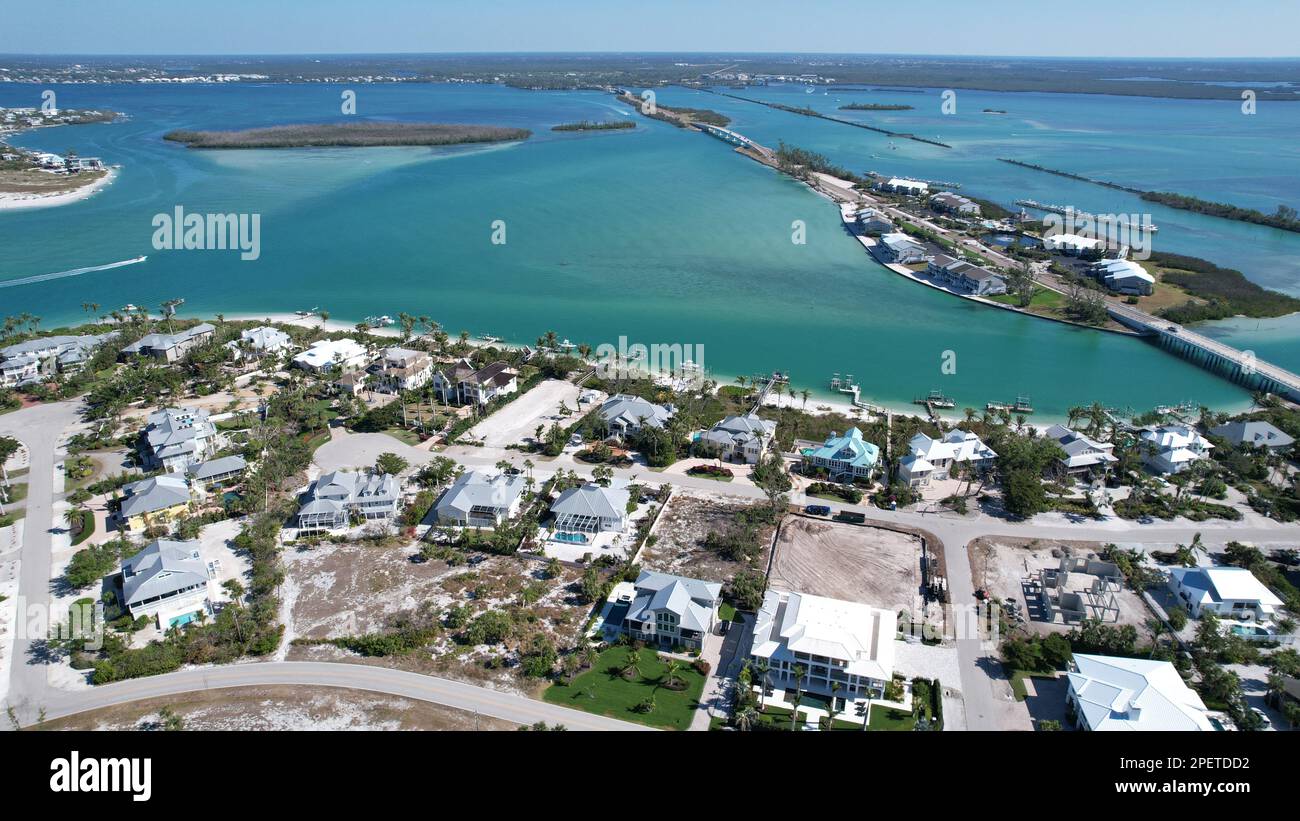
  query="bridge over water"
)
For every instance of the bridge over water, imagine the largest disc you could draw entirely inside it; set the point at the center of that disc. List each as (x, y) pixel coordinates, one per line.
(735, 138)
(1241, 367)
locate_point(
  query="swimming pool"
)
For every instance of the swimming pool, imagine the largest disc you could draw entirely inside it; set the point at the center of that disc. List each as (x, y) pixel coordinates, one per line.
(570, 538)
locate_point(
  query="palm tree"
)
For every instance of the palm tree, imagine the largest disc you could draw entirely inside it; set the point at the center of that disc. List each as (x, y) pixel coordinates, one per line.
(804, 394)
(764, 669)
(670, 672)
(830, 709)
(632, 665)
(746, 720)
(740, 380)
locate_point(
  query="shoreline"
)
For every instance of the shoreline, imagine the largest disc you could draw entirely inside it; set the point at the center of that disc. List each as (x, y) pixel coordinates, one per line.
(16, 202)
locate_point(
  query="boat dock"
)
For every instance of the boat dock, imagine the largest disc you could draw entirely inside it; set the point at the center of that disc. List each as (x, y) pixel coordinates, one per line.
(849, 387)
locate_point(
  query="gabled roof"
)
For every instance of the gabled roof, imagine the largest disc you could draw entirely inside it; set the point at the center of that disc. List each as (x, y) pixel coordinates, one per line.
(1080, 450)
(1135, 694)
(478, 489)
(265, 338)
(1256, 434)
(1219, 584)
(155, 493)
(216, 467)
(164, 342)
(956, 444)
(592, 500)
(630, 410)
(691, 600)
(165, 566)
(850, 448)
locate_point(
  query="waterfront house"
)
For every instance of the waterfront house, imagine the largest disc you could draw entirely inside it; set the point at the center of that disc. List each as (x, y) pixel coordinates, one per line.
(1229, 592)
(1173, 448)
(626, 414)
(27, 361)
(1110, 693)
(405, 370)
(463, 384)
(263, 341)
(1257, 434)
(169, 347)
(332, 355)
(167, 582)
(153, 501)
(902, 185)
(953, 448)
(955, 204)
(217, 472)
(591, 508)
(738, 438)
(332, 500)
(1072, 244)
(902, 249)
(834, 641)
(1083, 454)
(665, 610)
(844, 458)
(476, 499)
(1124, 276)
(874, 222)
(175, 438)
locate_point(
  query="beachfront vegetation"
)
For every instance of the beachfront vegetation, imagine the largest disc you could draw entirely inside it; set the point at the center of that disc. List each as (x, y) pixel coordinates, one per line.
(1225, 292)
(593, 125)
(348, 135)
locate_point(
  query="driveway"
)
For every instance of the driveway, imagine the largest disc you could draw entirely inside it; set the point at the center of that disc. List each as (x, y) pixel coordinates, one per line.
(517, 421)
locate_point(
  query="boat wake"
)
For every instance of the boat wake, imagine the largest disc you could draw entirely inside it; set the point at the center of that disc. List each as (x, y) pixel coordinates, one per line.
(9, 283)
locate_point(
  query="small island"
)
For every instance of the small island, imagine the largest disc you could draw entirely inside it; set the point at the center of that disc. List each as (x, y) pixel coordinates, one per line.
(348, 135)
(591, 125)
(874, 107)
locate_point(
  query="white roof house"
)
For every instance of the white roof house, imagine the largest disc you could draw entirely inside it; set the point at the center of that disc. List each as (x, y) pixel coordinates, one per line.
(1257, 434)
(333, 497)
(954, 447)
(591, 508)
(1082, 453)
(906, 186)
(1110, 693)
(168, 580)
(266, 339)
(476, 499)
(833, 640)
(1225, 591)
(1071, 243)
(327, 354)
(1125, 276)
(899, 247)
(1172, 448)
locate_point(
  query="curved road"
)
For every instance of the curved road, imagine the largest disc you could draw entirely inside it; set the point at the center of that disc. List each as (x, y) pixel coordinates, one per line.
(470, 697)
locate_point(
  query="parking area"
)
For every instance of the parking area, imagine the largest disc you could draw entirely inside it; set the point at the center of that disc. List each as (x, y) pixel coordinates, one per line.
(518, 420)
(869, 565)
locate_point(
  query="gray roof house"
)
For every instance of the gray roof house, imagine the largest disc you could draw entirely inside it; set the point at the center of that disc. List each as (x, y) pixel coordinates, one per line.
(1255, 434)
(176, 438)
(671, 610)
(170, 347)
(153, 496)
(625, 414)
(48, 353)
(332, 498)
(1083, 454)
(591, 509)
(167, 577)
(739, 437)
(216, 471)
(476, 499)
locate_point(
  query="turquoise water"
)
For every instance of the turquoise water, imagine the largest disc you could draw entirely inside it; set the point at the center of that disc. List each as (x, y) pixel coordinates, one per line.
(655, 234)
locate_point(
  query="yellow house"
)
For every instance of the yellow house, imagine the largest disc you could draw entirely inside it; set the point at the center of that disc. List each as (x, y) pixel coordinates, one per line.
(154, 501)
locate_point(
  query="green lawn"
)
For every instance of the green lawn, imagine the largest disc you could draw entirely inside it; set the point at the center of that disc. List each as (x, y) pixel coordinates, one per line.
(726, 612)
(406, 437)
(778, 719)
(604, 690)
(1043, 298)
(1018, 682)
(887, 718)
(87, 527)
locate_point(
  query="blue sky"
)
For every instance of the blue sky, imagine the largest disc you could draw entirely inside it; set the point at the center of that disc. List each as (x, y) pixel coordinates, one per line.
(1100, 28)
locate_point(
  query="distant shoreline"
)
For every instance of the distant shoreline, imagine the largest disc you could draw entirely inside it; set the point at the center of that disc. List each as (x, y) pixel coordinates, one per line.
(10, 201)
(348, 135)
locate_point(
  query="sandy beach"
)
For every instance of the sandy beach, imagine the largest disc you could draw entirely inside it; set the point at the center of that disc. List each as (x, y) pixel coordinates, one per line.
(10, 202)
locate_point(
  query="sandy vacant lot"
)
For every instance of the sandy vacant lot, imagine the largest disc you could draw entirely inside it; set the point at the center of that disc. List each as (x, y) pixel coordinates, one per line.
(680, 531)
(1000, 565)
(868, 565)
(282, 708)
(333, 591)
(518, 420)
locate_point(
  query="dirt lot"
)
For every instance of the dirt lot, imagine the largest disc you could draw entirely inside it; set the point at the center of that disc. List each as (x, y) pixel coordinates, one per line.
(999, 566)
(282, 708)
(332, 591)
(868, 565)
(518, 420)
(680, 531)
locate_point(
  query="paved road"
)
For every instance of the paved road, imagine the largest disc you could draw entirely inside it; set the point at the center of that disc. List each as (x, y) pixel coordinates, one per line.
(41, 428)
(505, 706)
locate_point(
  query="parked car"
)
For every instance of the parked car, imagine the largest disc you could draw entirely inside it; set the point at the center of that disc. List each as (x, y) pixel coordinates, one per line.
(817, 510)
